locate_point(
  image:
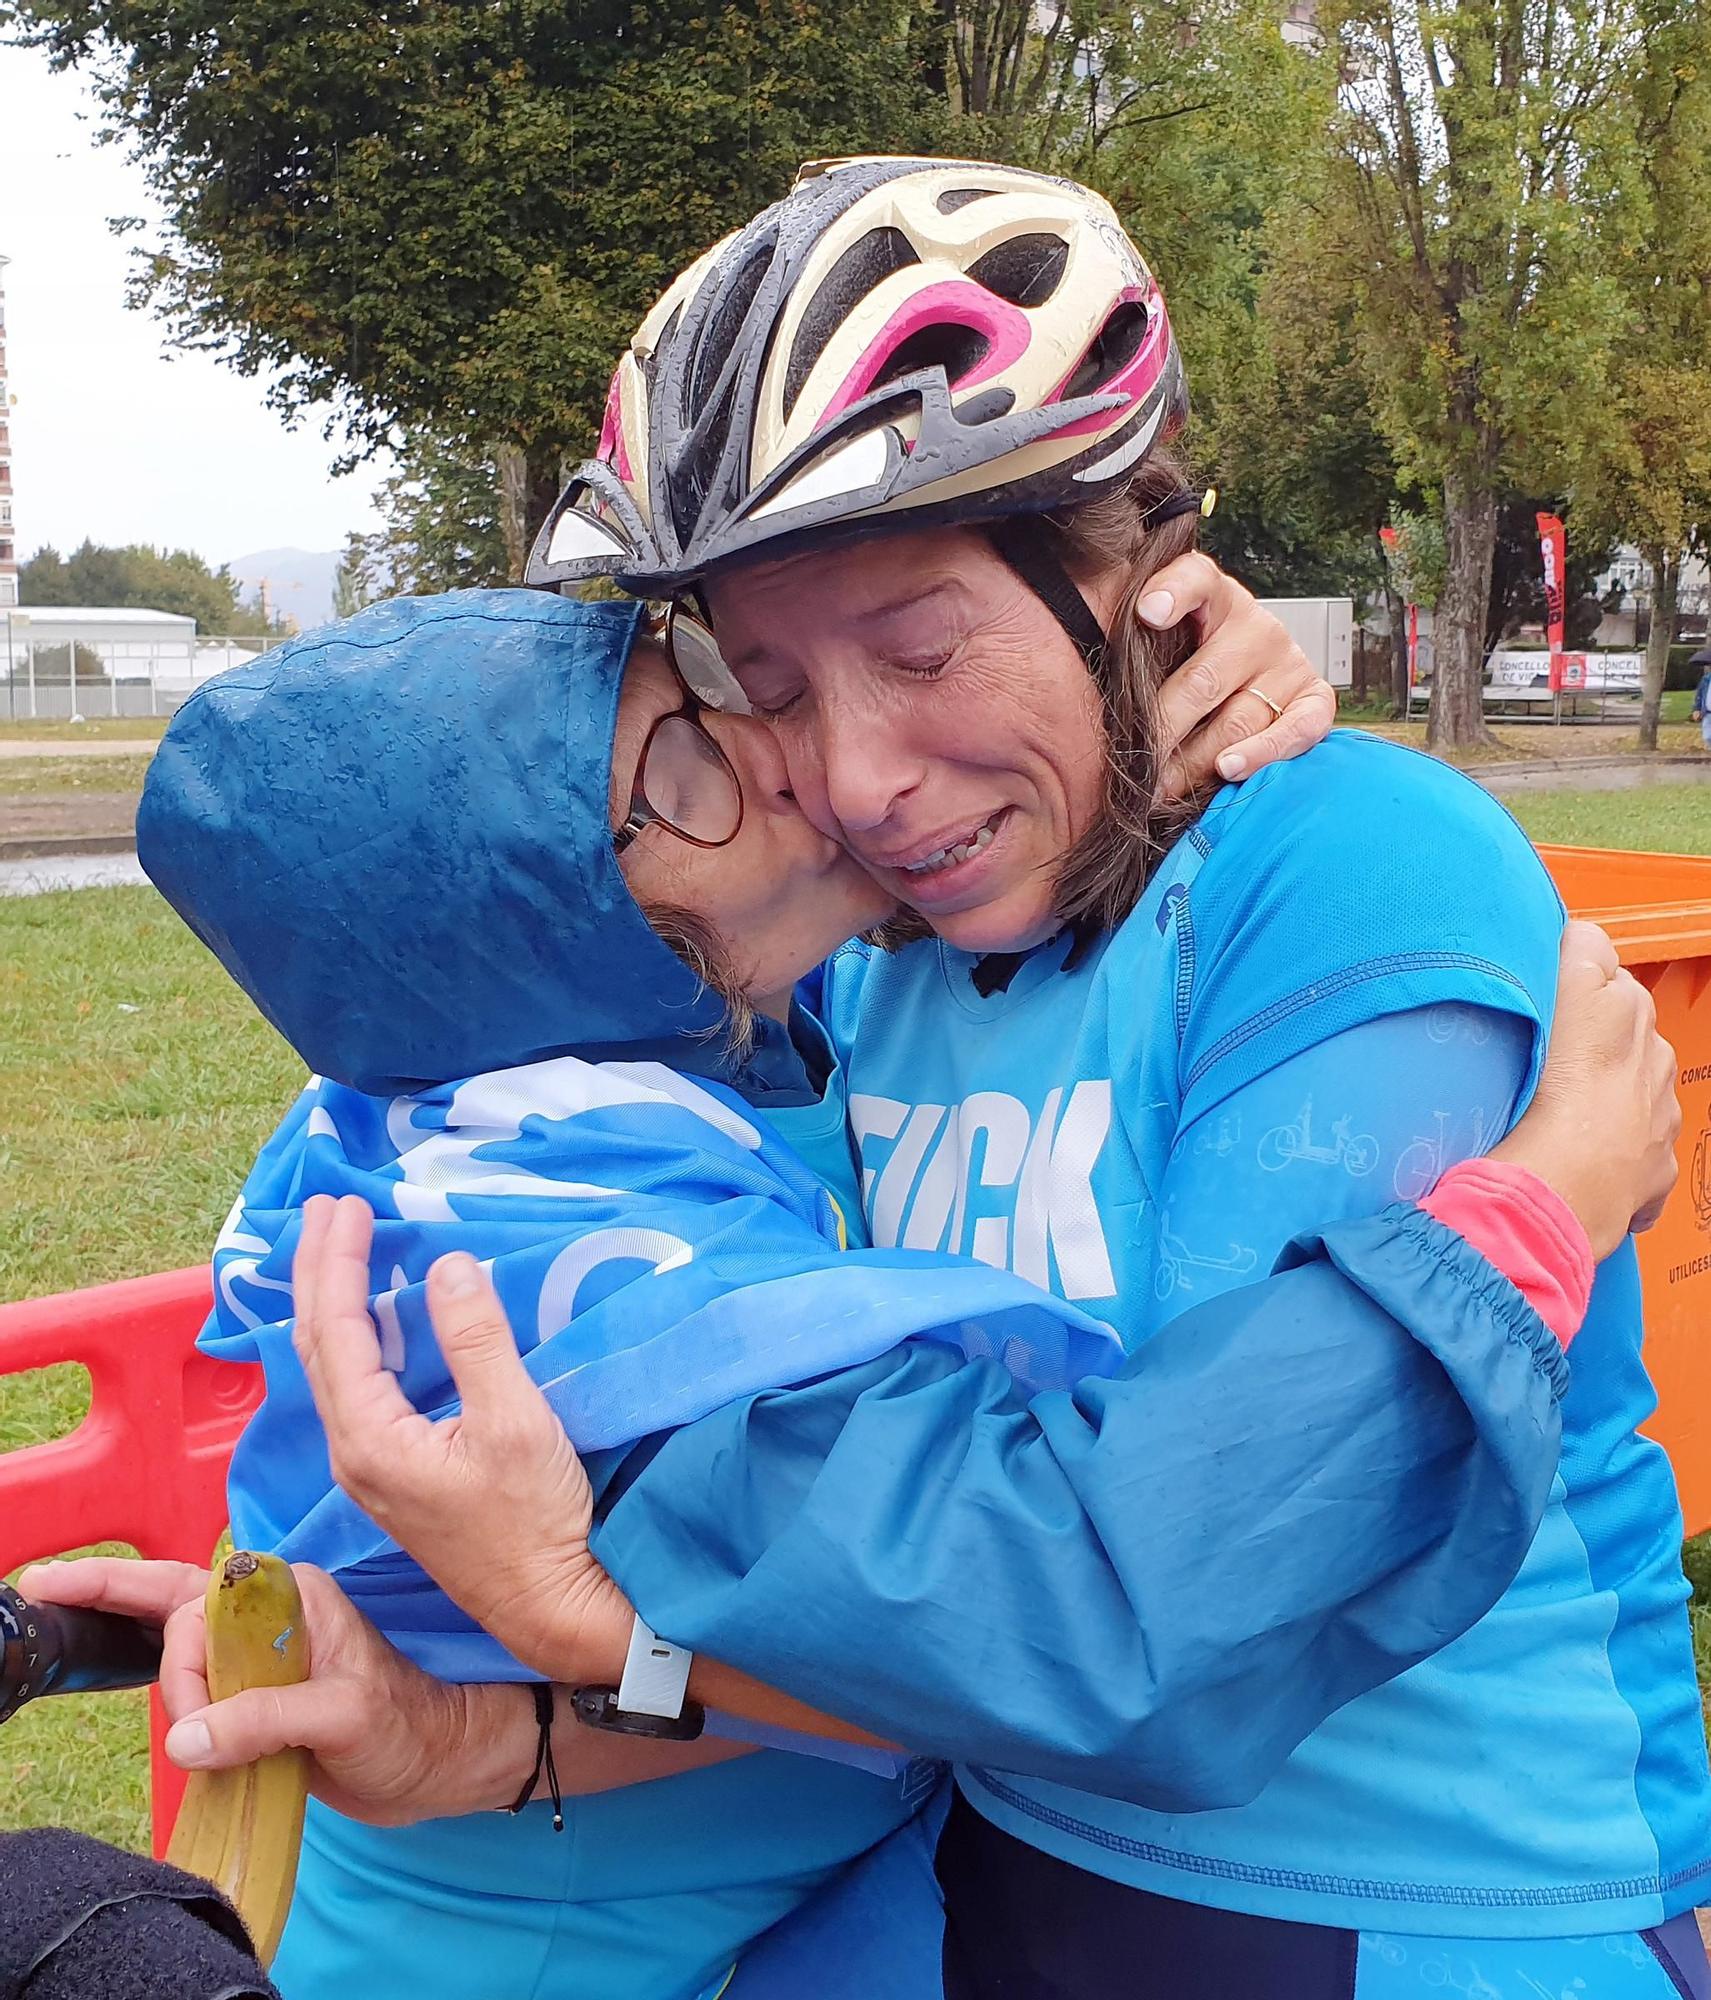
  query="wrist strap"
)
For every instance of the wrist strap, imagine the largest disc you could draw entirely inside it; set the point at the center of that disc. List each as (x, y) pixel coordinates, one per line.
(656, 1674)
(543, 1694)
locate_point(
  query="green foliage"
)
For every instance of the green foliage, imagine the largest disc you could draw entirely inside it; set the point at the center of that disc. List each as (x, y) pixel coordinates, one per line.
(1407, 266)
(1680, 675)
(1645, 466)
(445, 219)
(1696, 1562)
(443, 530)
(1420, 556)
(1473, 149)
(143, 578)
(1518, 575)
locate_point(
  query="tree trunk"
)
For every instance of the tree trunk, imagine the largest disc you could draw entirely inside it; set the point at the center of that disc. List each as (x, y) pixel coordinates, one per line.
(1397, 612)
(528, 485)
(1457, 717)
(1666, 593)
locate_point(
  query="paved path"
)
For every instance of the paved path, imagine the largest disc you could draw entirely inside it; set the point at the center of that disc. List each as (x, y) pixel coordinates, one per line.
(71, 871)
(38, 822)
(1591, 774)
(81, 746)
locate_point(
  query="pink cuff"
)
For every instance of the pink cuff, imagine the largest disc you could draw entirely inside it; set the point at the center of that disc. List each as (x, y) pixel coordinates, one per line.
(1526, 1229)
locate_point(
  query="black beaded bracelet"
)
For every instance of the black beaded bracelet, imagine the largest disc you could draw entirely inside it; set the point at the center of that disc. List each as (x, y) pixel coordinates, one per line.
(543, 1694)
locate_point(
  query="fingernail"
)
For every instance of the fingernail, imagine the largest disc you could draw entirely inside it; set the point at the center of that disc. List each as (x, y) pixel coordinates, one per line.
(459, 1275)
(1156, 608)
(1232, 765)
(189, 1744)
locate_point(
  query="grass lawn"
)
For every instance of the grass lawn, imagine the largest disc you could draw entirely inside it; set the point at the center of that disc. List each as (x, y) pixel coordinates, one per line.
(1662, 819)
(135, 1086)
(136, 1082)
(125, 728)
(20, 776)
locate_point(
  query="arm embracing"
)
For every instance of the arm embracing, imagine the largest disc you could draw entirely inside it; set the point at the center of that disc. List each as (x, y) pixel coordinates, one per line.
(1154, 1585)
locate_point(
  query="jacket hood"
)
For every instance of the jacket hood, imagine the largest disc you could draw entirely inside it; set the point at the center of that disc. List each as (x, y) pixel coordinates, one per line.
(393, 833)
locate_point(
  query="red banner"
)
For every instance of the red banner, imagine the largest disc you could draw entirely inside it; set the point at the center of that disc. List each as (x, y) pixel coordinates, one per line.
(1553, 548)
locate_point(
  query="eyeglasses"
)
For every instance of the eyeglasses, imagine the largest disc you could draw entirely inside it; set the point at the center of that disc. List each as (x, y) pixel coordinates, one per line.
(684, 781)
(694, 654)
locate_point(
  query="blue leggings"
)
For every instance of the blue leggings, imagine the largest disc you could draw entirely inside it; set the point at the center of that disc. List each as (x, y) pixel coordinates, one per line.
(1022, 1925)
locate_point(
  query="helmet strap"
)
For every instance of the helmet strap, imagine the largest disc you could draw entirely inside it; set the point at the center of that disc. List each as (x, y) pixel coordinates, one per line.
(1023, 547)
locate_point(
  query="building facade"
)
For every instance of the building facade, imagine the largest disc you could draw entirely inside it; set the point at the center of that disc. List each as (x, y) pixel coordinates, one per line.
(8, 534)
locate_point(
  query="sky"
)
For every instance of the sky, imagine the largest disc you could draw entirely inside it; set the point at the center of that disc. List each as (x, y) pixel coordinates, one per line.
(114, 436)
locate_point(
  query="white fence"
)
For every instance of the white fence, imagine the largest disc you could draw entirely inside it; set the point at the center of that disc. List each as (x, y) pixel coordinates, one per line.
(52, 673)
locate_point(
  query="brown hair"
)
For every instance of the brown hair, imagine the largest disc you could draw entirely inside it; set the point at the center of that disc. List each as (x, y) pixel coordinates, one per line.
(1101, 878)
(1104, 873)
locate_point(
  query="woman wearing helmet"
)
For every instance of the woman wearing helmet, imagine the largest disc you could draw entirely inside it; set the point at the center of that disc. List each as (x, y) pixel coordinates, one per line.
(899, 450)
(1130, 1066)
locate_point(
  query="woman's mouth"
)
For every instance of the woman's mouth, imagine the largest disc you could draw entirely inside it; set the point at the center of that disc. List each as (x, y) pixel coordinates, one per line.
(959, 853)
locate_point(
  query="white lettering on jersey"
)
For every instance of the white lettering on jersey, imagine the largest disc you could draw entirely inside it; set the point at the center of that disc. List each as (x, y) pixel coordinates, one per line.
(919, 1199)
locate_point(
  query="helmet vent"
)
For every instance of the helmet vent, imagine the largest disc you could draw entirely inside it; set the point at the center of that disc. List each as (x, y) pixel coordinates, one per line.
(986, 406)
(955, 349)
(699, 464)
(954, 198)
(1025, 271)
(863, 266)
(1118, 342)
(725, 325)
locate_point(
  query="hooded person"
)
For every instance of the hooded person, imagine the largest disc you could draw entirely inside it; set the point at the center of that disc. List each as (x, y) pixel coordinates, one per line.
(397, 834)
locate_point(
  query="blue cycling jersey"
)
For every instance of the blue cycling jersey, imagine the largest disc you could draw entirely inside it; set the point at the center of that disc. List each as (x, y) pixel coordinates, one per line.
(1331, 990)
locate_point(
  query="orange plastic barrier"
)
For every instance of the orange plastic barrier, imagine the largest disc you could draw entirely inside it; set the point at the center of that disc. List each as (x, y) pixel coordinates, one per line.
(148, 1463)
(1658, 909)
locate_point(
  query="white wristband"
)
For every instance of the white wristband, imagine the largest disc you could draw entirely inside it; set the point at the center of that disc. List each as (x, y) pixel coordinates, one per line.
(656, 1674)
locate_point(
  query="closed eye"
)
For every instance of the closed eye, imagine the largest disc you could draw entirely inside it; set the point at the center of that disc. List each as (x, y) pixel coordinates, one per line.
(770, 709)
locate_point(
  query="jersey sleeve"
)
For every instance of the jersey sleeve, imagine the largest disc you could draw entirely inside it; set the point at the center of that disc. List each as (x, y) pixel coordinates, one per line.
(1374, 1114)
(1154, 1585)
(1360, 881)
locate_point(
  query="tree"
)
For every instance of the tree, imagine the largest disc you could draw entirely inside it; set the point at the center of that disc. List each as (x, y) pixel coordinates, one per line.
(444, 529)
(1646, 474)
(1305, 476)
(445, 219)
(1518, 574)
(1468, 143)
(151, 579)
(1195, 130)
(354, 581)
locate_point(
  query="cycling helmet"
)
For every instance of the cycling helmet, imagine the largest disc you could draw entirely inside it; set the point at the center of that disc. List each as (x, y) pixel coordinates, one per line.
(896, 340)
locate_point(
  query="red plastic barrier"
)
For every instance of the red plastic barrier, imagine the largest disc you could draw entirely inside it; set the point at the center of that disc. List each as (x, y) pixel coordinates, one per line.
(148, 1463)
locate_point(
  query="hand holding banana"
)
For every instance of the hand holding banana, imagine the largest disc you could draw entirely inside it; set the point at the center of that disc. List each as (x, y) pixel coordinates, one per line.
(382, 1741)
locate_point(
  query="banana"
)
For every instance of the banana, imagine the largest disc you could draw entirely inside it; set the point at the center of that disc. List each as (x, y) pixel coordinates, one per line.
(241, 1829)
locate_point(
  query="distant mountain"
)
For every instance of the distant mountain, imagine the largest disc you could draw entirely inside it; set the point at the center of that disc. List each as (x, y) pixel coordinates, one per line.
(299, 582)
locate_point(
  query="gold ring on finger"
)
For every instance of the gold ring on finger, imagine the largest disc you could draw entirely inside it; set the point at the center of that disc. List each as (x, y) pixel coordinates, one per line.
(1275, 707)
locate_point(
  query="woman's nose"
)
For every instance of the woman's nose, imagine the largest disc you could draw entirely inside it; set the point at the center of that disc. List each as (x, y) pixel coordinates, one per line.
(864, 772)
